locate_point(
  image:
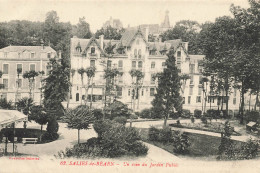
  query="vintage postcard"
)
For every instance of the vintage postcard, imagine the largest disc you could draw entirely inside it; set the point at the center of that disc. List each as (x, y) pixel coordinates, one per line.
(129, 86)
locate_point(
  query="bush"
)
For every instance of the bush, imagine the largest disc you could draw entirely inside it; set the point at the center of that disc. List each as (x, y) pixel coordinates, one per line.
(213, 113)
(181, 142)
(204, 120)
(19, 133)
(252, 116)
(117, 109)
(192, 119)
(133, 116)
(186, 113)
(146, 113)
(52, 126)
(197, 113)
(48, 137)
(4, 104)
(98, 114)
(120, 120)
(160, 135)
(114, 140)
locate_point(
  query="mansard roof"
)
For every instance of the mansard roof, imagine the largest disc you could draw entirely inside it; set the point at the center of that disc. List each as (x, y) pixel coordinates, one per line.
(36, 49)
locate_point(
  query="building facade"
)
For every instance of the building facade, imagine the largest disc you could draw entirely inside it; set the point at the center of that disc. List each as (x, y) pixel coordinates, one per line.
(133, 51)
(24, 58)
(114, 23)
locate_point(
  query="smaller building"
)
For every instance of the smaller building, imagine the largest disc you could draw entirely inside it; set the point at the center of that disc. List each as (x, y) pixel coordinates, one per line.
(25, 58)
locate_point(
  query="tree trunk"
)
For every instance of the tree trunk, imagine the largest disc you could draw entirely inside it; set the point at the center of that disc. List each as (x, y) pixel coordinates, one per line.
(41, 134)
(256, 100)
(242, 104)
(227, 99)
(205, 101)
(91, 99)
(249, 101)
(78, 136)
(68, 97)
(81, 90)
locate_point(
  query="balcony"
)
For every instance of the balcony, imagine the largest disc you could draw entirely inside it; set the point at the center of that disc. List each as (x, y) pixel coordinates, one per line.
(92, 54)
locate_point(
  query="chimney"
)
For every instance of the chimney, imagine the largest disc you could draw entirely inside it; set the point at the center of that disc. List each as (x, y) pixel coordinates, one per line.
(101, 38)
(185, 45)
(146, 33)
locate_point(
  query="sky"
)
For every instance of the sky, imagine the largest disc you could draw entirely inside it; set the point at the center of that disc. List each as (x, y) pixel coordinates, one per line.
(131, 13)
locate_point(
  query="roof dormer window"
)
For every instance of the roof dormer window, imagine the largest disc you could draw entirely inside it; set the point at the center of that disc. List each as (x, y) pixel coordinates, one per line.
(32, 55)
(92, 50)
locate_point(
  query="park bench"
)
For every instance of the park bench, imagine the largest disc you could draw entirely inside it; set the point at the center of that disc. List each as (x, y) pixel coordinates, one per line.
(29, 140)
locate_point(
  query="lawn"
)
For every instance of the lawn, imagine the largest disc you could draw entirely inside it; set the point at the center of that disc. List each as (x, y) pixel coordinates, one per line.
(201, 145)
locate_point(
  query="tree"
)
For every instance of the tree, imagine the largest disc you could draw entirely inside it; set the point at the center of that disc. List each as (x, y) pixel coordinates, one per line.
(72, 73)
(25, 104)
(137, 77)
(19, 71)
(168, 91)
(204, 81)
(81, 71)
(117, 109)
(30, 75)
(82, 30)
(110, 33)
(187, 31)
(39, 115)
(41, 73)
(56, 87)
(90, 71)
(79, 118)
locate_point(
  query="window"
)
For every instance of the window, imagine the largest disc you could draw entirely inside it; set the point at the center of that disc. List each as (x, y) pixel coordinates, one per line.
(163, 64)
(153, 64)
(183, 100)
(120, 64)
(109, 63)
(151, 91)
(119, 91)
(129, 92)
(32, 67)
(5, 68)
(235, 92)
(19, 83)
(192, 68)
(234, 101)
(200, 80)
(92, 63)
(199, 90)
(189, 99)
(20, 67)
(135, 53)
(49, 55)
(32, 55)
(5, 82)
(142, 92)
(48, 68)
(191, 80)
(133, 64)
(140, 64)
(179, 54)
(152, 79)
(191, 91)
(77, 97)
(139, 53)
(92, 50)
(120, 79)
(83, 97)
(4, 96)
(198, 99)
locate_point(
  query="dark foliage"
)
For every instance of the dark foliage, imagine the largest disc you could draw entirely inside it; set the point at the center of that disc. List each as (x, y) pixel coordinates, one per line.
(197, 113)
(4, 104)
(120, 120)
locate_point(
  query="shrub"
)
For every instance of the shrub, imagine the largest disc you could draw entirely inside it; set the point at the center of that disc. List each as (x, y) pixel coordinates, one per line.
(252, 116)
(153, 134)
(204, 120)
(146, 113)
(175, 115)
(192, 119)
(4, 104)
(137, 114)
(117, 109)
(48, 137)
(213, 113)
(160, 135)
(52, 126)
(98, 114)
(197, 113)
(181, 142)
(133, 116)
(114, 140)
(186, 113)
(25, 104)
(120, 120)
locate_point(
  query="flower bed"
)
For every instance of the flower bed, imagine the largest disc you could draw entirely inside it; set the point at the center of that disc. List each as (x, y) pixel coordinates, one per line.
(216, 127)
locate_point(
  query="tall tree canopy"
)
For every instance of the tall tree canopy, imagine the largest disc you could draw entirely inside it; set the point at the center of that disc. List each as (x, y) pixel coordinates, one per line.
(110, 33)
(82, 30)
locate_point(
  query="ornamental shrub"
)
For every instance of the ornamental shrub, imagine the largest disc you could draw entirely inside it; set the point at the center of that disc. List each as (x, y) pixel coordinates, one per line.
(186, 113)
(197, 113)
(181, 142)
(252, 116)
(120, 120)
(153, 134)
(146, 113)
